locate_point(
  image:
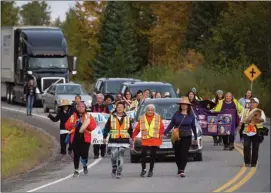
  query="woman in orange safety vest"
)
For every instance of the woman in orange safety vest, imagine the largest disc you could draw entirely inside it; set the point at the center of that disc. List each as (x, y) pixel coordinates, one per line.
(152, 130)
(119, 127)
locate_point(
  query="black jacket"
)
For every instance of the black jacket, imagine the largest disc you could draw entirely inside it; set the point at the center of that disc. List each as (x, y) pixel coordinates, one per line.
(107, 129)
(29, 91)
(62, 116)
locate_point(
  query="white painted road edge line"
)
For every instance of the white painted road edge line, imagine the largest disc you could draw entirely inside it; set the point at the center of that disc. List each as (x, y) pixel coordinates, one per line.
(19, 111)
(61, 179)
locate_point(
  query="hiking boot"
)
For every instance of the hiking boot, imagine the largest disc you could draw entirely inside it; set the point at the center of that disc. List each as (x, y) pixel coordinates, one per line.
(150, 174)
(118, 175)
(76, 173)
(85, 170)
(113, 174)
(143, 173)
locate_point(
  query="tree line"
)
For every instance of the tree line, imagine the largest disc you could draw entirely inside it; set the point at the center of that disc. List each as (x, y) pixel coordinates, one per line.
(124, 38)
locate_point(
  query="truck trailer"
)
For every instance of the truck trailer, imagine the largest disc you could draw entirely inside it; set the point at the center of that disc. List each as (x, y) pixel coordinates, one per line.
(33, 52)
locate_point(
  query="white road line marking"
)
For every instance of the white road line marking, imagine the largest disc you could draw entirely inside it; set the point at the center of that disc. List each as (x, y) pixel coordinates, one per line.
(19, 111)
(62, 179)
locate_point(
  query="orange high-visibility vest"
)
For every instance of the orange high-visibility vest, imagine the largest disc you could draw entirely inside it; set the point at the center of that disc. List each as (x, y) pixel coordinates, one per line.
(117, 130)
(150, 130)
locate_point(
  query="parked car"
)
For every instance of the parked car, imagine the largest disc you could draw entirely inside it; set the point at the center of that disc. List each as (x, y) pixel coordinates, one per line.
(61, 91)
(109, 86)
(161, 87)
(166, 108)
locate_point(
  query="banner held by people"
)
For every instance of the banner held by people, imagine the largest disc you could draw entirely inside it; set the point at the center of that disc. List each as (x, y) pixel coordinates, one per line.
(212, 124)
(97, 133)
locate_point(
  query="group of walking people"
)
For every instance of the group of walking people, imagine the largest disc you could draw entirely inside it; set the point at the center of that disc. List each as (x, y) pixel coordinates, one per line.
(119, 134)
(248, 123)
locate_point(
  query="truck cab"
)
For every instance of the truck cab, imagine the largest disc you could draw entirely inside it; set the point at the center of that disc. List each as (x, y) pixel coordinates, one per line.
(37, 53)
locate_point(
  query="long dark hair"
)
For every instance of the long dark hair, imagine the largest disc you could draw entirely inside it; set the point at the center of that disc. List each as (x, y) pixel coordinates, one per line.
(189, 110)
(250, 96)
(217, 99)
(194, 100)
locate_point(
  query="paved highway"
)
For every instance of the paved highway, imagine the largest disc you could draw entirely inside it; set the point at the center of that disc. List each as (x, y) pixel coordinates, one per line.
(219, 171)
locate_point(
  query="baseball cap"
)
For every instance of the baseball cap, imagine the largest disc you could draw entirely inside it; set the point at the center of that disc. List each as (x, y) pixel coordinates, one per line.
(255, 100)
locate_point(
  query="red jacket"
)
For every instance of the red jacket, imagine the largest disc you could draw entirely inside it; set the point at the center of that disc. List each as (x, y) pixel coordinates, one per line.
(69, 125)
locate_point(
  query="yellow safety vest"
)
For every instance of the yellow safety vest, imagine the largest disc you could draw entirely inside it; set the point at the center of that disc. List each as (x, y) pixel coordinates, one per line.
(117, 130)
(150, 130)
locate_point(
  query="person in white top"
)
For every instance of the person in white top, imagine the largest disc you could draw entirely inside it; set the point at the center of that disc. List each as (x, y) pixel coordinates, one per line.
(252, 123)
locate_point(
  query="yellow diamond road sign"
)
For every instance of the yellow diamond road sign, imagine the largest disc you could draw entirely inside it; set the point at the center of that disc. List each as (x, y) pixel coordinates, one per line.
(252, 72)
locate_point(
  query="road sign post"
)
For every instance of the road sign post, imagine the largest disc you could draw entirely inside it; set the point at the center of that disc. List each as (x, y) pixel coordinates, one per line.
(252, 72)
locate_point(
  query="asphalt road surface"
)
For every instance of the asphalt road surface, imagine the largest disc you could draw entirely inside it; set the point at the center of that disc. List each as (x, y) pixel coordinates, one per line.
(220, 171)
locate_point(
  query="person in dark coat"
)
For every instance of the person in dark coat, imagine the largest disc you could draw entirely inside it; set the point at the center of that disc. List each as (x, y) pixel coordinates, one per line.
(62, 116)
(30, 95)
(77, 100)
(99, 107)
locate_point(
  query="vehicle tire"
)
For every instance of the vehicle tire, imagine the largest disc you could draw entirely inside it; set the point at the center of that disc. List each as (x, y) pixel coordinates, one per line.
(134, 158)
(56, 108)
(8, 93)
(12, 95)
(45, 109)
(198, 157)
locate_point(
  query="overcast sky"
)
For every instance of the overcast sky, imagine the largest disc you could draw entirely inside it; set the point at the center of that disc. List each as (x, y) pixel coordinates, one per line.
(58, 8)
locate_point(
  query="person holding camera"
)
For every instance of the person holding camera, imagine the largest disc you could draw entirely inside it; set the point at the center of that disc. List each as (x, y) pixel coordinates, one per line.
(252, 132)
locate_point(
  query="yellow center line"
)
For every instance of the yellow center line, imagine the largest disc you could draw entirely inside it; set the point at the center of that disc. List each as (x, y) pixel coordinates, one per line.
(236, 177)
(243, 181)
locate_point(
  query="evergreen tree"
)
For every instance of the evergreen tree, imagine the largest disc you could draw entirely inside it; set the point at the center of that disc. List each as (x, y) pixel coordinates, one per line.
(203, 16)
(118, 45)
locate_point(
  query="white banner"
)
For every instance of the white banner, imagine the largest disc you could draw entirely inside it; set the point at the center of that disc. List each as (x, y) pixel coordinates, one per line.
(97, 133)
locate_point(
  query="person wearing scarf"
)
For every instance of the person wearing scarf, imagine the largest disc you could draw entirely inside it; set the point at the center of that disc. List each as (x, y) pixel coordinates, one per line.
(80, 124)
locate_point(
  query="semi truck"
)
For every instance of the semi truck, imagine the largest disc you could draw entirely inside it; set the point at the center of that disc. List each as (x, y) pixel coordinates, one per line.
(36, 53)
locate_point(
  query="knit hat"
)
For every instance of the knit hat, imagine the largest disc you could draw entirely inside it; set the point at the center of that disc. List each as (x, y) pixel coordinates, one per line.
(219, 92)
(194, 90)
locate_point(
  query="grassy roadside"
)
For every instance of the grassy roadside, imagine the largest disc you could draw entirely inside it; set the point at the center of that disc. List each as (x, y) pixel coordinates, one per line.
(23, 147)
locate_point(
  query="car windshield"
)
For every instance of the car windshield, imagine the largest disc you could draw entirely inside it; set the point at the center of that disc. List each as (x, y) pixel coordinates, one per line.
(114, 86)
(45, 63)
(70, 90)
(166, 110)
(156, 88)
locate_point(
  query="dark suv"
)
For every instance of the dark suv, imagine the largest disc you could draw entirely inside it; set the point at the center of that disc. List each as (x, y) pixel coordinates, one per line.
(152, 86)
(109, 86)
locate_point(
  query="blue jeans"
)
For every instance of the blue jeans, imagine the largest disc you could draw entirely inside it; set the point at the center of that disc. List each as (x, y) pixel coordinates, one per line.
(30, 102)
